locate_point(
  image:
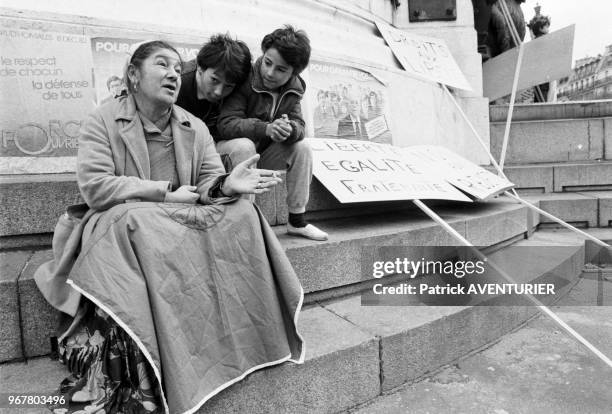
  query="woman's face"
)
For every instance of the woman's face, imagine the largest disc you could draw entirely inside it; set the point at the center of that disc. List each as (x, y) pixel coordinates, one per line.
(159, 77)
(275, 72)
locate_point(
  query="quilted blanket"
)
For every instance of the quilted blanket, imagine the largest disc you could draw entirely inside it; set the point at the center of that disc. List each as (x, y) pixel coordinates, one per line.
(207, 292)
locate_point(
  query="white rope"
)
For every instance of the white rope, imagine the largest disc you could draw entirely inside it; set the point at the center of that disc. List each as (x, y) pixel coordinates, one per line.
(441, 222)
(532, 298)
(476, 134)
(517, 41)
(517, 72)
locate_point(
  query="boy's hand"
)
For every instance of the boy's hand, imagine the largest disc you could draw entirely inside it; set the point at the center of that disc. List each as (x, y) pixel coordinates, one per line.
(279, 130)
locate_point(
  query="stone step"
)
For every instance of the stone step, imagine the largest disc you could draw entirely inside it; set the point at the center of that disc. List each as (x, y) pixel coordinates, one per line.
(581, 209)
(333, 268)
(33, 203)
(559, 177)
(354, 352)
(28, 321)
(557, 140)
(549, 111)
(325, 269)
(554, 132)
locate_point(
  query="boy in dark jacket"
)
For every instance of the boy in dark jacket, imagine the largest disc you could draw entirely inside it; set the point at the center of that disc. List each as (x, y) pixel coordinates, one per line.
(221, 64)
(264, 116)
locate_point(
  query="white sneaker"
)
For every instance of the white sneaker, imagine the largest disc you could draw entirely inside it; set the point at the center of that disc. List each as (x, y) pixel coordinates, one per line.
(310, 232)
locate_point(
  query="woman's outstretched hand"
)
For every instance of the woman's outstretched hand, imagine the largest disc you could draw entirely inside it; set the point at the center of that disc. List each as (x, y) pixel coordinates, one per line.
(246, 179)
(184, 194)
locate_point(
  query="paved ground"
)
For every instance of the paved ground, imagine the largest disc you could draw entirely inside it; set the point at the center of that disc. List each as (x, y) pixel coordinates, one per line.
(537, 369)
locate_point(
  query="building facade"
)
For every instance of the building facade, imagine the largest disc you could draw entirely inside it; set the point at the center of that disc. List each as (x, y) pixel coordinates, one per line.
(591, 79)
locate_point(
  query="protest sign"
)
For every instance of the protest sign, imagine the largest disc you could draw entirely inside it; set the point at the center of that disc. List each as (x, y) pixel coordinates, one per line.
(463, 174)
(424, 57)
(357, 171)
(45, 92)
(545, 59)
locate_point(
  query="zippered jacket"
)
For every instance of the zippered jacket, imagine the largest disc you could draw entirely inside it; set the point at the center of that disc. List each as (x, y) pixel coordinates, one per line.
(249, 109)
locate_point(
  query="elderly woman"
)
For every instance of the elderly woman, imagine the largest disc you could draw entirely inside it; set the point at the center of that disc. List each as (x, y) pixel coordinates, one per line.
(177, 287)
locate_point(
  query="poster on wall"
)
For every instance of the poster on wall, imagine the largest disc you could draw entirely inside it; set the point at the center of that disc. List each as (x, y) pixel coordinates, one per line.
(45, 93)
(348, 103)
(109, 57)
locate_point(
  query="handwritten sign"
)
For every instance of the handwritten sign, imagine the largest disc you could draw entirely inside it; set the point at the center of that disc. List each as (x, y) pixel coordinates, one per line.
(358, 171)
(424, 57)
(545, 59)
(463, 174)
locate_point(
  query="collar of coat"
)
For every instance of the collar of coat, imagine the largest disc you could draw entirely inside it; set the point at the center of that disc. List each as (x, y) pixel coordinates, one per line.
(132, 134)
(127, 111)
(295, 84)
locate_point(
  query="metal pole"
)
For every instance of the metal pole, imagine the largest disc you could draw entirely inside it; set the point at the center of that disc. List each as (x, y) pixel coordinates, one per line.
(476, 134)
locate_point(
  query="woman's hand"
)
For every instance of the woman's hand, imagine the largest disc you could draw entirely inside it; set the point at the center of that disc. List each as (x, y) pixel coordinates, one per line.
(184, 194)
(245, 179)
(279, 130)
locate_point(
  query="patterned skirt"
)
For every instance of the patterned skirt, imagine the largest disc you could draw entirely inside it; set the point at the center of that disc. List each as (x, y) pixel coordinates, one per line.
(109, 373)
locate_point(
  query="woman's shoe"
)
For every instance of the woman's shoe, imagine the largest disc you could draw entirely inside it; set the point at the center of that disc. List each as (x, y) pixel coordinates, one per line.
(309, 232)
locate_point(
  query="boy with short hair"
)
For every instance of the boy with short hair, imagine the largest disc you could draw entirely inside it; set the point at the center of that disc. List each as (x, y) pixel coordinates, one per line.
(221, 64)
(264, 115)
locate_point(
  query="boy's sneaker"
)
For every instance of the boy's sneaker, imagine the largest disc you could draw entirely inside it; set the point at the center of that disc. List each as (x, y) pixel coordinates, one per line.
(310, 232)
